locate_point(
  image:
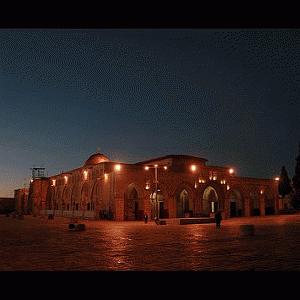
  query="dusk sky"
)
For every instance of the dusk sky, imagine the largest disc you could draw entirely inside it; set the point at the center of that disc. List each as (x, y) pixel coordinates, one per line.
(228, 95)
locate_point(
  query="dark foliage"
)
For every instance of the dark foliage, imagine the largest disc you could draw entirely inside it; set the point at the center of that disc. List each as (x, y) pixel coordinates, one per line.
(284, 186)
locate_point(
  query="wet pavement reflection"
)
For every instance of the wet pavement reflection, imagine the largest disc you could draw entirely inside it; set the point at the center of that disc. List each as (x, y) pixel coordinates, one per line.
(41, 244)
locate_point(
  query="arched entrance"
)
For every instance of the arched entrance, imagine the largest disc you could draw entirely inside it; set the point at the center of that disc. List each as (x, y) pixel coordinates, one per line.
(157, 206)
(254, 202)
(67, 197)
(210, 202)
(133, 209)
(85, 196)
(236, 203)
(182, 203)
(75, 198)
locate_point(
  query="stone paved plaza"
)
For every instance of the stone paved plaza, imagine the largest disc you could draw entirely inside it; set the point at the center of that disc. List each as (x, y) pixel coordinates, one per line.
(36, 243)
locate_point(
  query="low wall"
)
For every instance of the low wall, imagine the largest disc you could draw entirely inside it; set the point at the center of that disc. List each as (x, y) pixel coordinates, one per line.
(90, 215)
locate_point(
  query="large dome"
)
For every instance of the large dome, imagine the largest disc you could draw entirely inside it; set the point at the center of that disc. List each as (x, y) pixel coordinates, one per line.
(96, 159)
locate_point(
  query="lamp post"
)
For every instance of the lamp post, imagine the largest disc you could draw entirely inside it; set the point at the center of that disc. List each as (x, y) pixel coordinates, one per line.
(155, 167)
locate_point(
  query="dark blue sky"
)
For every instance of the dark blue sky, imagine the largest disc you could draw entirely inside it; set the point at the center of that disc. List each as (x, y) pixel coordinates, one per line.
(228, 95)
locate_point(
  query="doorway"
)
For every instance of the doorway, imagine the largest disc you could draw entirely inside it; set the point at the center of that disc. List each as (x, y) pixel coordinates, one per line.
(209, 202)
(133, 209)
(161, 210)
(232, 209)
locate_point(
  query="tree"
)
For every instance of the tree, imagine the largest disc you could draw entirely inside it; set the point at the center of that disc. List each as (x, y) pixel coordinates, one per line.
(284, 187)
(296, 184)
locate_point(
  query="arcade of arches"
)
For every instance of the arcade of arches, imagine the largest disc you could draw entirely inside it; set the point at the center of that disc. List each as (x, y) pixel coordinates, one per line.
(118, 191)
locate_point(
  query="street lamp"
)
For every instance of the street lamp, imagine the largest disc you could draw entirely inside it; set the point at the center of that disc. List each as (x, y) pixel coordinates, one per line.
(155, 167)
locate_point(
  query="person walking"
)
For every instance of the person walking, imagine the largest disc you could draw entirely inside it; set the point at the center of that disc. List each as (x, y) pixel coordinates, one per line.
(218, 218)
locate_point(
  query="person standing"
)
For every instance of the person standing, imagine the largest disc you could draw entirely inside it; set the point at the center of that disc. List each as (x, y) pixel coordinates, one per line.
(218, 218)
(146, 218)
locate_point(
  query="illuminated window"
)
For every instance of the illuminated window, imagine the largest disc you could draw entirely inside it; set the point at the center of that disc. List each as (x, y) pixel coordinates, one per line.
(53, 182)
(66, 179)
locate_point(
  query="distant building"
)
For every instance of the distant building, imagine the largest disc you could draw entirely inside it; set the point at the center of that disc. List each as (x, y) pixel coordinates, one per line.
(185, 186)
(22, 204)
(7, 205)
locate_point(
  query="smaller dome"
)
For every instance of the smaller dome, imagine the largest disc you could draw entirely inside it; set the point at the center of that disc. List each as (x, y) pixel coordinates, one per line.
(96, 159)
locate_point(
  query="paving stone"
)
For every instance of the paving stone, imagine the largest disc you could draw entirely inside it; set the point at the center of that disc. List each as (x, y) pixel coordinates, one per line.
(41, 244)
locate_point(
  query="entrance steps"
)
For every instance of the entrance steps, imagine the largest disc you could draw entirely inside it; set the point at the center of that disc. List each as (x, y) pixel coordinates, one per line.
(186, 221)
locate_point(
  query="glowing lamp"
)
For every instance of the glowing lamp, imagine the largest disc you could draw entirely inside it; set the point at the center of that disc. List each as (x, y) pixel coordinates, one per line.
(85, 173)
(147, 168)
(165, 167)
(231, 171)
(118, 167)
(277, 178)
(193, 168)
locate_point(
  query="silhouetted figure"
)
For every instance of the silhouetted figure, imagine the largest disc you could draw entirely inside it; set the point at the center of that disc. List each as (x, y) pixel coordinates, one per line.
(218, 218)
(146, 218)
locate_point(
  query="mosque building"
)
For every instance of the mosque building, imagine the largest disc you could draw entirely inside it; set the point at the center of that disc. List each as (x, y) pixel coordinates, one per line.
(173, 186)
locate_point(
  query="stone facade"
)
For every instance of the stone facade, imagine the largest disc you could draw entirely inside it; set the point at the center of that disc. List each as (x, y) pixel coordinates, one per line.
(22, 203)
(186, 187)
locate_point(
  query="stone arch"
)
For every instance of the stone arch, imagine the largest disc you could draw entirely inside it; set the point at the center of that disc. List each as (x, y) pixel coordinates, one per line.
(133, 202)
(212, 192)
(254, 201)
(210, 201)
(75, 197)
(58, 197)
(85, 195)
(236, 202)
(66, 197)
(184, 200)
(95, 197)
